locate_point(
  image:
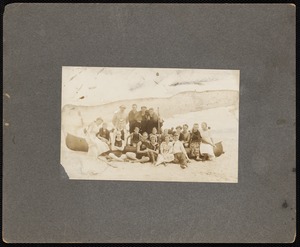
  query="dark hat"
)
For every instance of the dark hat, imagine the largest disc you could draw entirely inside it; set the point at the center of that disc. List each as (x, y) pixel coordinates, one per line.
(178, 127)
(143, 107)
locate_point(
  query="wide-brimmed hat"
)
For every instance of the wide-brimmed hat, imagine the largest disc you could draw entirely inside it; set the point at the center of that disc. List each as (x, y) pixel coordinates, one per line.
(123, 106)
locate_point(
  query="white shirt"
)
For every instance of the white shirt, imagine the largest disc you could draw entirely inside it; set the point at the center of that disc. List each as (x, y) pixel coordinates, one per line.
(178, 147)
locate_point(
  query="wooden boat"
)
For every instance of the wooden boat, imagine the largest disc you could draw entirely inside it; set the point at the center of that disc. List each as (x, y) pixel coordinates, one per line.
(76, 143)
(218, 150)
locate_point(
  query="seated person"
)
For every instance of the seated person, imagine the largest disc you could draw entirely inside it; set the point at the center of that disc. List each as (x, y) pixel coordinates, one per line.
(117, 147)
(195, 142)
(178, 131)
(135, 137)
(166, 152)
(103, 134)
(153, 149)
(163, 135)
(154, 133)
(180, 155)
(141, 154)
(186, 136)
(207, 144)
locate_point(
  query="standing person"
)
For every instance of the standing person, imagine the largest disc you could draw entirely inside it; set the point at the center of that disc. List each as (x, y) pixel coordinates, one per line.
(186, 136)
(180, 155)
(96, 146)
(166, 152)
(103, 134)
(120, 119)
(132, 118)
(195, 142)
(141, 154)
(153, 120)
(207, 144)
(143, 118)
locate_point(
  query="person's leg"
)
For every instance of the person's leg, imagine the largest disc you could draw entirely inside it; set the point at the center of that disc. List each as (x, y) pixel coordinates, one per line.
(151, 157)
(144, 159)
(123, 157)
(114, 157)
(160, 160)
(176, 159)
(131, 156)
(197, 151)
(182, 160)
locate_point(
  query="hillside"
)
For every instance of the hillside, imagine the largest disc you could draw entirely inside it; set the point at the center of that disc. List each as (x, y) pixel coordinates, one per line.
(79, 116)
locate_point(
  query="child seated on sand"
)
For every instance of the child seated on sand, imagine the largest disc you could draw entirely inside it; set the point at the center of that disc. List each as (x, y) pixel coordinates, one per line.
(117, 148)
(166, 152)
(135, 137)
(179, 133)
(103, 134)
(141, 154)
(186, 136)
(155, 134)
(153, 149)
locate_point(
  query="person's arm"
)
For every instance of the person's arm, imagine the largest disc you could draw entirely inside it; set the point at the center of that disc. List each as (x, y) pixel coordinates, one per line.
(188, 138)
(184, 152)
(122, 147)
(161, 148)
(208, 140)
(138, 149)
(171, 149)
(114, 120)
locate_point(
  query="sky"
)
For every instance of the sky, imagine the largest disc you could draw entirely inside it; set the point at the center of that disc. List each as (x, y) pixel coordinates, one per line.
(92, 86)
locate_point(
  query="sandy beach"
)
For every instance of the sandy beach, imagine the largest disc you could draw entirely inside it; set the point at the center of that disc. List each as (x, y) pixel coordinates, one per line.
(79, 165)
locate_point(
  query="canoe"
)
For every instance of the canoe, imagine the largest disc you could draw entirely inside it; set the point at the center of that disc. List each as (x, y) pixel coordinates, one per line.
(218, 150)
(76, 143)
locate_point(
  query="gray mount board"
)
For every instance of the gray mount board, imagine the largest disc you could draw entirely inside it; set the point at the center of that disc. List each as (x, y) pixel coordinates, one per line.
(40, 203)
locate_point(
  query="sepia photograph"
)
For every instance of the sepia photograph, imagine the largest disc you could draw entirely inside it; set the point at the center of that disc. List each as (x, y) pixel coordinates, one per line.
(150, 124)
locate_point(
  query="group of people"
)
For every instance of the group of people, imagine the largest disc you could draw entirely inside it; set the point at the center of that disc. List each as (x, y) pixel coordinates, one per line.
(145, 119)
(146, 142)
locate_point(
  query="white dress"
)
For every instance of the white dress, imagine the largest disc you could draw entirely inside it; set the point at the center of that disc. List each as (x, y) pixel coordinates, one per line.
(96, 146)
(166, 153)
(206, 148)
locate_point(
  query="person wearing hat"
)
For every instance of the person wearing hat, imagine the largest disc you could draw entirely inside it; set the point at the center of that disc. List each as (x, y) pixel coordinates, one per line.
(195, 140)
(120, 118)
(180, 155)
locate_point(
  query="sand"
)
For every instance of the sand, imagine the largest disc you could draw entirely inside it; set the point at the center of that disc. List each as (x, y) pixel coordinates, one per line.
(224, 127)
